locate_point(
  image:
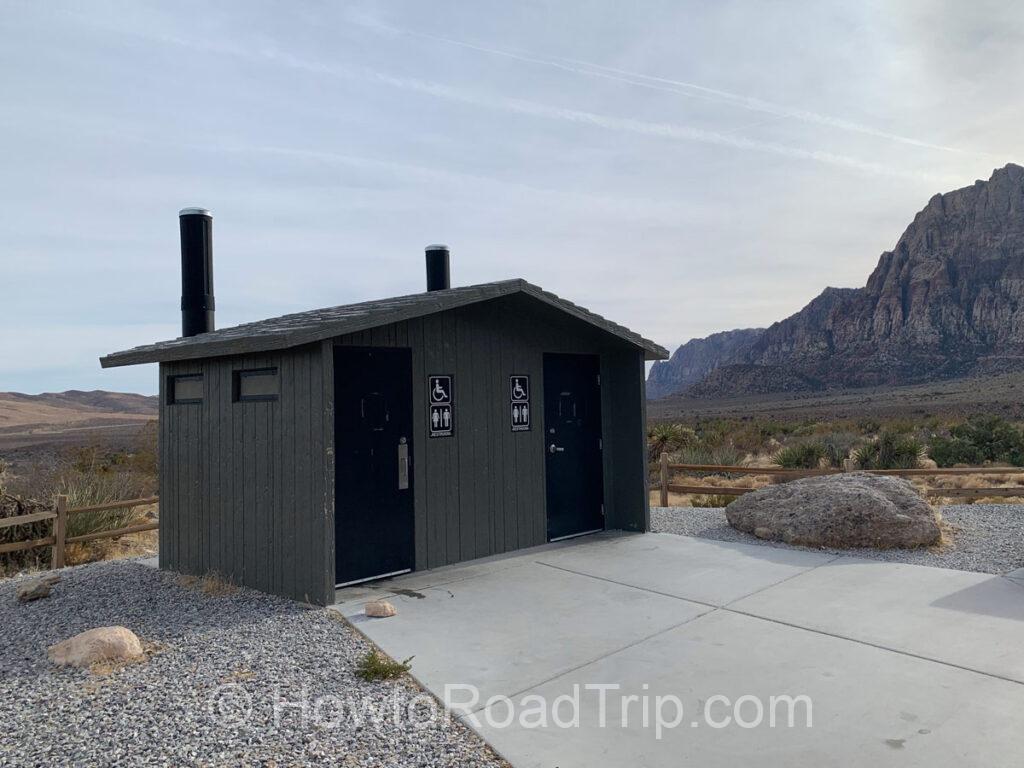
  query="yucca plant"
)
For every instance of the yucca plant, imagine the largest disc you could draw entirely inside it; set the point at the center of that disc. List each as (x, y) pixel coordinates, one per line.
(666, 438)
(801, 455)
(890, 451)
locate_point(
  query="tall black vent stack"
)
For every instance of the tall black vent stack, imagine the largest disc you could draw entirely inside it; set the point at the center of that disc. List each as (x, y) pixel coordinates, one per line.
(197, 305)
(438, 268)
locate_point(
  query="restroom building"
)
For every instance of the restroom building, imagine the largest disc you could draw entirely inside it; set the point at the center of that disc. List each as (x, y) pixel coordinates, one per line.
(325, 448)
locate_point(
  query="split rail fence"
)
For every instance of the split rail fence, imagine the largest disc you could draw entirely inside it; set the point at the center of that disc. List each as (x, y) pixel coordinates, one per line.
(58, 539)
(782, 475)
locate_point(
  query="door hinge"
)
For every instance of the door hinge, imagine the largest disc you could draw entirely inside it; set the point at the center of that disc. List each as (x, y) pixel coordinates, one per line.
(600, 444)
(599, 379)
(602, 510)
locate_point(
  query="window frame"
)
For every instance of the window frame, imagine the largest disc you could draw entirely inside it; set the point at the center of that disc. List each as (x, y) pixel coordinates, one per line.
(172, 389)
(245, 373)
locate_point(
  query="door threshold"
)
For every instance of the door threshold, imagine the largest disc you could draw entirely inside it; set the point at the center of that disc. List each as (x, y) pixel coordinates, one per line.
(576, 535)
(372, 578)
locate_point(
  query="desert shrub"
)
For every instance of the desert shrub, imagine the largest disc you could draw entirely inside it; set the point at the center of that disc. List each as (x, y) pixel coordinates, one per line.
(753, 435)
(87, 476)
(666, 438)
(805, 428)
(376, 666)
(703, 454)
(806, 455)
(28, 559)
(868, 426)
(838, 446)
(981, 439)
(87, 488)
(711, 500)
(890, 451)
(950, 451)
(901, 426)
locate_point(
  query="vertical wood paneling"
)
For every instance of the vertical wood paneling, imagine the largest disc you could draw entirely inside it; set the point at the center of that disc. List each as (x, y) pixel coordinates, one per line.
(327, 474)
(248, 488)
(244, 486)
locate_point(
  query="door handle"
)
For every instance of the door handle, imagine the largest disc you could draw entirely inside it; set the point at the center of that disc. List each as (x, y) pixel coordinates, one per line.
(555, 449)
(403, 465)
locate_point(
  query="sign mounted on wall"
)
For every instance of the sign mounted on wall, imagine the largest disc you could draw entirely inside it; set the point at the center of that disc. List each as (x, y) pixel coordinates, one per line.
(519, 402)
(441, 398)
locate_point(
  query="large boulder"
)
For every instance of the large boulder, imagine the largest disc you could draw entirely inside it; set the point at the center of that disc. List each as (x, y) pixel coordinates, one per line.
(99, 644)
(844, 510)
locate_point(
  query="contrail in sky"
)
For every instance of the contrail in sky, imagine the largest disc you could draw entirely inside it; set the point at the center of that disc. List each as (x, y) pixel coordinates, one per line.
(670, 131)
(678, 87)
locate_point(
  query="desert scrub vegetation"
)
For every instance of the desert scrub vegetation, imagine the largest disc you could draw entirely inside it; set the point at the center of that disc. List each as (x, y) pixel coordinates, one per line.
(801, 456)
(87, 476)
(668, 438)
(892, 450)
(711, 500)
(979, 440)
(374, 666)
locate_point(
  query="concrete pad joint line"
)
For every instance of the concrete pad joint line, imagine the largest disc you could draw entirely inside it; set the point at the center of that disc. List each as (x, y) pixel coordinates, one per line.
(775, 621)
(870, 644)
(628, 586)
(603, 656)
(784, 580)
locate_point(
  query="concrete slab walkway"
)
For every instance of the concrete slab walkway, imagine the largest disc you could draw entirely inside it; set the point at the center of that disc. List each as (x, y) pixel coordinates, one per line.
(902, 665)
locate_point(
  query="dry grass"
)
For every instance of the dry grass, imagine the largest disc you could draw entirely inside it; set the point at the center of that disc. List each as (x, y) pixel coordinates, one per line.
(108, 667)
(211, 584)
(712, 482)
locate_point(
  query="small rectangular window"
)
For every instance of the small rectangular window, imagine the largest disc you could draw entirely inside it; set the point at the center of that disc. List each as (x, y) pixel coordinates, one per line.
(259, 384)
(185, 389)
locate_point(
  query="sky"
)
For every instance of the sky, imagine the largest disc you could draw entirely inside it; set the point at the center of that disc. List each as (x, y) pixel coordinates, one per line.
(679, 167)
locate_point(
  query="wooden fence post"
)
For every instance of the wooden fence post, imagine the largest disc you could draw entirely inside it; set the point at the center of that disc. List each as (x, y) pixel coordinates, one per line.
(60, 532)
(664, 479)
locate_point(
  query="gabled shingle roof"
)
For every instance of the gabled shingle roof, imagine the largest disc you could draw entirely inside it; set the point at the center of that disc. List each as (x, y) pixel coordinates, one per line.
(305, 327)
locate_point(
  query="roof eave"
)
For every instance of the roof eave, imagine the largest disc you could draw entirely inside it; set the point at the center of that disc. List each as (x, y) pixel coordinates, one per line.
(158, 353)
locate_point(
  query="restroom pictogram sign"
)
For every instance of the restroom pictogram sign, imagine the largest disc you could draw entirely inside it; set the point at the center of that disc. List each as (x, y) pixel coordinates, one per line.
(519, 402)
(441, 399)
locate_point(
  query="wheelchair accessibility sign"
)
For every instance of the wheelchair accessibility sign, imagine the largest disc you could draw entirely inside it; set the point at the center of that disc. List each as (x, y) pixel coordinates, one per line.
(441, 400)
(519, 402)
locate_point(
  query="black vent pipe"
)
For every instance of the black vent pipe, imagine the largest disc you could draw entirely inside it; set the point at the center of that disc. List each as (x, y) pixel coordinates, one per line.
(438, 268)
(197, 304)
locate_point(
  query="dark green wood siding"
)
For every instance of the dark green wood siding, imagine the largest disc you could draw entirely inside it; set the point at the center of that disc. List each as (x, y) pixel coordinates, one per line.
(243, 484)
(248, 487)
(482, 491)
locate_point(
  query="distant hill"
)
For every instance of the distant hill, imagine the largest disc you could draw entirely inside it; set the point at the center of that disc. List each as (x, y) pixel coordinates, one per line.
(74, 407)
(693, 361)
(946, 302)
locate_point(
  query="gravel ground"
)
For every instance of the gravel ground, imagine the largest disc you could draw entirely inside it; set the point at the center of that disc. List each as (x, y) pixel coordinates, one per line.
(985, 537)
(174, 709)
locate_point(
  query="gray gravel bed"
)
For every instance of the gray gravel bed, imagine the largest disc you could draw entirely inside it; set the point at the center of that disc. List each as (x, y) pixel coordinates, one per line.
(988, 538)
(173, 711)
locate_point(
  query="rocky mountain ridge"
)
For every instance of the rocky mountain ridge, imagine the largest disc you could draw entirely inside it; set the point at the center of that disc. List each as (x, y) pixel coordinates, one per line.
(947, 301)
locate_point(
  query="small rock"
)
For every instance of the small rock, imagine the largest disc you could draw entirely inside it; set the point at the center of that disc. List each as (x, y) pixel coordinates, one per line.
(34, 589)
(380, 609)
(99, 644)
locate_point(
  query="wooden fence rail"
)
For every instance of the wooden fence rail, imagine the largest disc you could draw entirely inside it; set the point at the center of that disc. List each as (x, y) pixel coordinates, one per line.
(59, 539)
(781, 474)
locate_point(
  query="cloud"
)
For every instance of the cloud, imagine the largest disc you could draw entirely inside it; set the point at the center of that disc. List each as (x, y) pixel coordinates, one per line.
(663, 130)
(668, 85)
